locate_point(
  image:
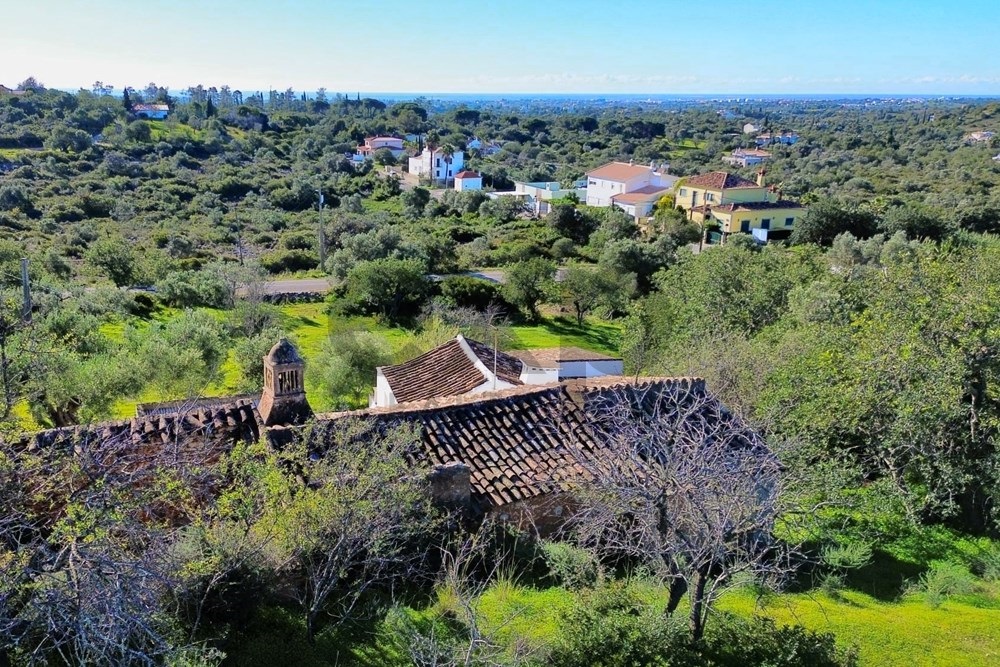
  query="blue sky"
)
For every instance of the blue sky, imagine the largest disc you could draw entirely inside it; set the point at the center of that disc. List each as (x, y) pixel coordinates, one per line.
(554, 46)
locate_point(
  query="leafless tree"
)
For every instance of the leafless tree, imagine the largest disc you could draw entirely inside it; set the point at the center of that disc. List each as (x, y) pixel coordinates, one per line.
(348, 519)
(684, 487)
(86, 574)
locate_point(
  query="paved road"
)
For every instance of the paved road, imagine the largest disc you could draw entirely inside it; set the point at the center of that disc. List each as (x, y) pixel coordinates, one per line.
(298, 286)
(322, 285)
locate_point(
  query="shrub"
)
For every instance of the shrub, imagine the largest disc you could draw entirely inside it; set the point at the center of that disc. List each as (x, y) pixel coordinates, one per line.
(612, 626)
(945, 579)
(188, 289)
(987, 563)
(734, 642)
(466, 292)
(571, 566)
(289, 261)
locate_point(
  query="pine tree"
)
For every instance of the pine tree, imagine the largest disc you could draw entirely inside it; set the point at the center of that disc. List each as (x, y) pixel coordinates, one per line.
(126, 102)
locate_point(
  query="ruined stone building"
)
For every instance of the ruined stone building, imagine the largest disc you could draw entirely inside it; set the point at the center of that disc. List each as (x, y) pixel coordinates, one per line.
(507, 453)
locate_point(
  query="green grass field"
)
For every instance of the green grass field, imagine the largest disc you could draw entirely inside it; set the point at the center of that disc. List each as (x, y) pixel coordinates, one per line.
(309, 325)
(908, 633)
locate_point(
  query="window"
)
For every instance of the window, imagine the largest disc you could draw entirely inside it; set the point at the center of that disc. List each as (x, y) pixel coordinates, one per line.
(437, 162)
(709, 196)
(684, 192)
(765, 223)
(745, 226)
(789, 222)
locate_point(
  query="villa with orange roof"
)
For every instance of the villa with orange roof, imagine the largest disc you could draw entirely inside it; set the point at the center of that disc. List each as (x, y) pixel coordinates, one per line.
(631, 187)
(738, 205)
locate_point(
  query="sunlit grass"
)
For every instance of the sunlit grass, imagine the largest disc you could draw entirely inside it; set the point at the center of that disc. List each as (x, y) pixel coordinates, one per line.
(907, 633)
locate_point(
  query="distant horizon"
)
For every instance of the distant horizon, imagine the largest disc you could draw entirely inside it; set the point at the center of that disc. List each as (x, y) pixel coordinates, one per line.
(719, 96)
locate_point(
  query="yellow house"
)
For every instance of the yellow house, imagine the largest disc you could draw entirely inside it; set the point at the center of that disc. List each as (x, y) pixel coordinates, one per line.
(720, 187)
(777, 217)
(737, 204)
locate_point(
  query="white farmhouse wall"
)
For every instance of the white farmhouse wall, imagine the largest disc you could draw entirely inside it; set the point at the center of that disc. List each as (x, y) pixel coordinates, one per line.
(383, 392)
(538, 375)
(600, 191)
(590, 369)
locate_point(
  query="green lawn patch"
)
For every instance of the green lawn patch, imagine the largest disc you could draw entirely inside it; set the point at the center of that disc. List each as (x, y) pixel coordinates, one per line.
(595, 335)
(909, 633)
(309, 325)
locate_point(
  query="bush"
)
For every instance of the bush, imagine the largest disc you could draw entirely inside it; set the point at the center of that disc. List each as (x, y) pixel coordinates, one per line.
(188, 289)
(571, 566)
(734, 642)
(945, 579)
(289, 261)
(466, 292)
(612, 626)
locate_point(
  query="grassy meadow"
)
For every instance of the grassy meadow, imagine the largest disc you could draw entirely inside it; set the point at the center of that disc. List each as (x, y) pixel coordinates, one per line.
(309, 325)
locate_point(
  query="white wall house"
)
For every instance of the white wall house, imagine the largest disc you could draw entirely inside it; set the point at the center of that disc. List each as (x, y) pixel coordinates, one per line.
(151, 111)
(746, 157)
(981, 136)
(468, 180)
(612, 180)
(538, 194)
(393, 144)
(787, 138)
(750, 128)
(437, 166)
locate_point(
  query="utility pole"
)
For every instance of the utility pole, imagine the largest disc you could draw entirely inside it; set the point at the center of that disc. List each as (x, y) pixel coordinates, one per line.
(26, 287)
(322, 235)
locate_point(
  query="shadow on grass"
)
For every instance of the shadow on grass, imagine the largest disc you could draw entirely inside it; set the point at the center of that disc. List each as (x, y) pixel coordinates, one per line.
(594, 335)
(885, 578)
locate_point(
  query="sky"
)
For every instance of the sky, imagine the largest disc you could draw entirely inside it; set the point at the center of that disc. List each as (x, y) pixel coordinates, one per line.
(510, 46)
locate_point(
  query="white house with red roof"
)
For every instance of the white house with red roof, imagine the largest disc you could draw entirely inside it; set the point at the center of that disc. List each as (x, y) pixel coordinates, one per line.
(468, 180)
(631, 187)
(392, 144)
(746, 157)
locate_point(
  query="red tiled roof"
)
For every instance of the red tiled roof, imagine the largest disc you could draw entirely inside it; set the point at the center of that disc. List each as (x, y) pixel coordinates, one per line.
(554, 355)
(448, 370)
(535, 439)
(752, 206)
(217, 425)
(720, 180)
(618, 171)
(467, 174)
(640, 195)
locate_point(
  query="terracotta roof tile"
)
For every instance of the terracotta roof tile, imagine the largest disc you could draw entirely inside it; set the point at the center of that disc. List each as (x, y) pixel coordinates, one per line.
(526, 441)
(554, 355)
(215, 426)
(448, 370)
(720, 180)
(618, 171)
